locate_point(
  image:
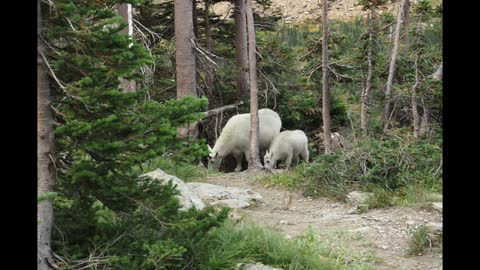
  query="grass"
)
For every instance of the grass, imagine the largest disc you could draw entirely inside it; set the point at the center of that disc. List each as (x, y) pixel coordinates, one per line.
(398, 172)
(186, 171)
(231, 244)
(420, 241)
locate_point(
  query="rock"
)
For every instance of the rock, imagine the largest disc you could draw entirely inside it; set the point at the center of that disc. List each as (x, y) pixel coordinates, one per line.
(357, 197)
(257, 266)
(231, 196)
(438, 206)
(232, 203)
(435, 228)
(200, 194)
(284, 222)
(187, 197)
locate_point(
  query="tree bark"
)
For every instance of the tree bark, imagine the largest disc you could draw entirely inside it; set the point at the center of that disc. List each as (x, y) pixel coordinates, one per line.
(185, 52)
(241, 49)
(208, 42)
(406, 25)
(416, 118)
(185, 57)
(254, 163)
(425, 120)
(393, 61)
(438, 73)
(195, 18)
(45, 151)
(325, 88)
(125, 10)
(368, 83)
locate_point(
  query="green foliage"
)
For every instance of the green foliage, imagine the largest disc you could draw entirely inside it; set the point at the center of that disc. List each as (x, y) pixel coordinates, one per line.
(381, 198)
(420, 241)
(231, 244)
(184, 170)
(156, 235)
(390, 167)
(103, 139)
(47, 196)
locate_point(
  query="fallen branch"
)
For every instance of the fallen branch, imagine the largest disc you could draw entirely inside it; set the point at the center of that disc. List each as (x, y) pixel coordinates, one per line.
(219, 110)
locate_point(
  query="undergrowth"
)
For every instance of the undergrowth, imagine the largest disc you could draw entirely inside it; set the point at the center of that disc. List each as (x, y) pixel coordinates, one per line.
(397, 169)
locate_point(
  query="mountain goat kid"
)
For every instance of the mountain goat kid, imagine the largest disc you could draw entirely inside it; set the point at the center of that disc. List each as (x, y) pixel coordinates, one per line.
(287, 146)
(235, 137)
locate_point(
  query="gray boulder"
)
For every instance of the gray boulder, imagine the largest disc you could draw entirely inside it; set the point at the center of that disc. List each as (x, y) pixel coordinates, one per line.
(230, 196)
(187, 197)
(202, 194)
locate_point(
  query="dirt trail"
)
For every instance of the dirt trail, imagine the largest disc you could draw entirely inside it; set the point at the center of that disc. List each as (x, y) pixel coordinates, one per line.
(384, 233)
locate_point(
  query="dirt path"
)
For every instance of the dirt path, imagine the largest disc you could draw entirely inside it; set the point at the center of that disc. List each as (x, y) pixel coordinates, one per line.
(383, 233)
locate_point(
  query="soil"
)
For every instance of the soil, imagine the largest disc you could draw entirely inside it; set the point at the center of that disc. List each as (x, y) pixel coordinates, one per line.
(383, 233)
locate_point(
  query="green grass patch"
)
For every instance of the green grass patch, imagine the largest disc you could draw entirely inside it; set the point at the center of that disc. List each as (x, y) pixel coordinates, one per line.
(231, 244)
(420, 241)
(397, 169)
(186, 171)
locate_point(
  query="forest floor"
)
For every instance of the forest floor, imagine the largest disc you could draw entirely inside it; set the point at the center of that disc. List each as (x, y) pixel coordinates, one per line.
(379, 233)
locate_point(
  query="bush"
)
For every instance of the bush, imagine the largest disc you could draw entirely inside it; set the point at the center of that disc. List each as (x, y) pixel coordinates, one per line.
(392, 166)
(419, 241)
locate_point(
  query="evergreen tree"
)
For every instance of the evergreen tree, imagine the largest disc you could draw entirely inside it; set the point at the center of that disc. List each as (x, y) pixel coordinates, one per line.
(104, 137)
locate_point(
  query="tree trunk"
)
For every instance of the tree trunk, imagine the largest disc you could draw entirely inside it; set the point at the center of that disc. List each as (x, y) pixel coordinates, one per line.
(208, 42)
(368, 83)
(438, 73)
(195, 18)
(45, 151)
(393, 61)
(125, 10)
(416, 116)
(425, 120)
(185, 56)
(325, 90)
(241, 49)
(254, 163)
(416, 120)
(406, 25)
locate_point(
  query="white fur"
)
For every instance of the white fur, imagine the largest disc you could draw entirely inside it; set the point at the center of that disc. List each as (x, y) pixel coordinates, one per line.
(235, 137)
(287, 146)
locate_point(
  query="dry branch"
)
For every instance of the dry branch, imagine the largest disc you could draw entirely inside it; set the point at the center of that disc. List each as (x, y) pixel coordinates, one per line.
(219, 110)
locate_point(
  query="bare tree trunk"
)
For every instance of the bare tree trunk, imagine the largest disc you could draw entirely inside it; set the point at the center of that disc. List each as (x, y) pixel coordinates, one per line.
(195, 18)
(325, 90)
(241, 49)
(425, 120)
(45, 151)
(393, 61)
(438, 73)
(416, 116)
(208, 42)
(406, 25)
(185, 56)
(125, 10)
(416, 120)
(368, 83)
(254, 163)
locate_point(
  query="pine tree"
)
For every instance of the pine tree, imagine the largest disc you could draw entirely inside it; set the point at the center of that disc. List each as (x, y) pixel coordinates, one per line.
(104, 137)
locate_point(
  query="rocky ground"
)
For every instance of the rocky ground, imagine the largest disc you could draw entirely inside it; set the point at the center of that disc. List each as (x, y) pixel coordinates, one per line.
(381, 233)
(303, 10)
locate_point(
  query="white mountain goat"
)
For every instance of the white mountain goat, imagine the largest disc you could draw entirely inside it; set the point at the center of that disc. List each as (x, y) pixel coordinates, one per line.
(287, 146)
(235, 137)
